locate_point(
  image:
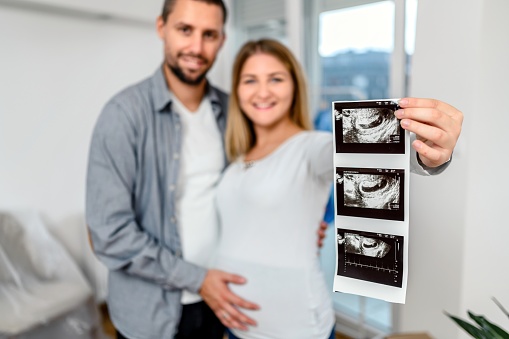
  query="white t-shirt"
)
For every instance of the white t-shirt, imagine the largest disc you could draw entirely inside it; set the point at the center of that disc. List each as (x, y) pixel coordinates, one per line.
(202, 160)
(269, 214)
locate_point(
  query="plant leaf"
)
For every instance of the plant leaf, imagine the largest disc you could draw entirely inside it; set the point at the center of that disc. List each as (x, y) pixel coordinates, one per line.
(493, 330)
(469, 328)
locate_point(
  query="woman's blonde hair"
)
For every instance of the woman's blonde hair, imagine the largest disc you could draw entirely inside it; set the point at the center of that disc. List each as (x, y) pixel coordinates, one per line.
(240, 136)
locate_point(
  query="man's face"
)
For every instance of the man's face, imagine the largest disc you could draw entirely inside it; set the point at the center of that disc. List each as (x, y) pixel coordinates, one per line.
(192, 36)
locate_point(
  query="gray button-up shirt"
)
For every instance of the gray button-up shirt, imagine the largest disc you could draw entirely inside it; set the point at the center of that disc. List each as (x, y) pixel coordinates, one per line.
(130, 207)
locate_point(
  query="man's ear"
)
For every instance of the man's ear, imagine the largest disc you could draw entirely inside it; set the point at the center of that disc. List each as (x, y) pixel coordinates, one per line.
(160, 25)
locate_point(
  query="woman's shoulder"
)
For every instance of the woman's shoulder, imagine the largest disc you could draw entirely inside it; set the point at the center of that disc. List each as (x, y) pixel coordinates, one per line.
(313, 137)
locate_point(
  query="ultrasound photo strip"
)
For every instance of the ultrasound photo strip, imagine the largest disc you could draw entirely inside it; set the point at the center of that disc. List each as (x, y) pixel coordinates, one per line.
(368, 127)
(373, 257)
(370, 193)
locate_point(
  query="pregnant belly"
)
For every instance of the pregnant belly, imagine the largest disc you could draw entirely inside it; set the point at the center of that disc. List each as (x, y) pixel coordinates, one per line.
(291, 303)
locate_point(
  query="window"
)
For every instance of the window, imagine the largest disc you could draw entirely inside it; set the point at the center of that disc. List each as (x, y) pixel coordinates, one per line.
(355, 46)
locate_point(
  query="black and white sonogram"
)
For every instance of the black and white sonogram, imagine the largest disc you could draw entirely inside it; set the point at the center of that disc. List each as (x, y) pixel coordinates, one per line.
(368, 127)
(370, 256)
(370, 193)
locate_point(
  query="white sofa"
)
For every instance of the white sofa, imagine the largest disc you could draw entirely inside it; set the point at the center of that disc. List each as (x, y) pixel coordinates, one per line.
(44, 292)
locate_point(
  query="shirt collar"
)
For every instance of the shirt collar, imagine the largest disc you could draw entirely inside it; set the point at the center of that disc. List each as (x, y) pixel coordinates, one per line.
(162, 97)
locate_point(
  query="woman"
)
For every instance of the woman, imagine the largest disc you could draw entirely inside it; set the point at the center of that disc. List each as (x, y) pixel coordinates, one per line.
(273, 195)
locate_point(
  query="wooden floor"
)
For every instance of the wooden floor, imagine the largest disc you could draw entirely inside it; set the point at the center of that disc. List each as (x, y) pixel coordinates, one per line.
(107, 325)
(110, 330)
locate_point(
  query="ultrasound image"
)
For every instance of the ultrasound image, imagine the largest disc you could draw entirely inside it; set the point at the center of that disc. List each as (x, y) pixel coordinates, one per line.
(369, 125)
(369, 247)
(368, 256)
(371, 191)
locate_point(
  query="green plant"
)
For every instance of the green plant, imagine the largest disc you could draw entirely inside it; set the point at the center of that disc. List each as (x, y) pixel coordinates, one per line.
(484, 329)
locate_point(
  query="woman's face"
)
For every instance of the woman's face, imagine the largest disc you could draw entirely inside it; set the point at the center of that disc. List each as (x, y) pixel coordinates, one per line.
(265, 90)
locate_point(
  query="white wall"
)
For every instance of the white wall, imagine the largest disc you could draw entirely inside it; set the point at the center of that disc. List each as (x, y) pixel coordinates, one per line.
(128, 9)
(56, 74)
(459, 227)
(486, 261)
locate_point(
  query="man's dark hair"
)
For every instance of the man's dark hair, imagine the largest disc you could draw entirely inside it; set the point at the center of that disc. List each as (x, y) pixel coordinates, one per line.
(169, 4)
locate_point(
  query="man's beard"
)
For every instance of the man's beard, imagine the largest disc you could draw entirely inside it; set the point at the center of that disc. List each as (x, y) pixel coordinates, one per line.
(179, 73)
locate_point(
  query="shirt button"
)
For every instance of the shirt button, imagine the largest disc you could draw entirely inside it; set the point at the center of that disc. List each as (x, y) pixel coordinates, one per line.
(178, 253)
(173, 220)
(176, 156)
(172, 188)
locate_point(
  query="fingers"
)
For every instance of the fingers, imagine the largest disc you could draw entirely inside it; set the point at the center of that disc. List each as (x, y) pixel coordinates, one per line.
(240, 302)
(433, 104)
(231, 314)
(233, 278)
(431, 155)
(430, 124)
(437, 125)
(323, 226)
(322, 229)
(439, 133)
(434, 145)
(232, 318)
(430, 109)
(223, 302)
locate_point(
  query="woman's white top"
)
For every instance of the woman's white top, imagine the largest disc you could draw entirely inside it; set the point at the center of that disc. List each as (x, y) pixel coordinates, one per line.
(269, 213)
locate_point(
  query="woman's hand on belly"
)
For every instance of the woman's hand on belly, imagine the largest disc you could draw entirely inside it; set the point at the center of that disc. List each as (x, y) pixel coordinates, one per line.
(226, 304)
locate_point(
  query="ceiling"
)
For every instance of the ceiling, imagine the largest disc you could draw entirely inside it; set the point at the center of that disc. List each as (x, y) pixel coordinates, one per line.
(135, 11)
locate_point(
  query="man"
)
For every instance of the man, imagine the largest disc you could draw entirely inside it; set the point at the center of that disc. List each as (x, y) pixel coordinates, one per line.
(156, 153)
(155, 156)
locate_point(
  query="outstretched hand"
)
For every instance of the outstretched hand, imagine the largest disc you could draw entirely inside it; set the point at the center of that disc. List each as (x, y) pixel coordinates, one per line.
(436, 124)
(223, 302)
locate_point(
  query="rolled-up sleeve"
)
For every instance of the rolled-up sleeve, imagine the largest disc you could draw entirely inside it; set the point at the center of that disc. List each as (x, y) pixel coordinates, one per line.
(119, 241)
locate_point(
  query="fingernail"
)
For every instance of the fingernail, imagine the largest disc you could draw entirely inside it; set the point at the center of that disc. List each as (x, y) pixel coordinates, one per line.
(403, 102)
(400, 113)
(405, 123)
(417, 145)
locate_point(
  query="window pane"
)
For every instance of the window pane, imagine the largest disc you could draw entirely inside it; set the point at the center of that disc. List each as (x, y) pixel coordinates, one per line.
(360, 29)
(410, 23)
(355, 46)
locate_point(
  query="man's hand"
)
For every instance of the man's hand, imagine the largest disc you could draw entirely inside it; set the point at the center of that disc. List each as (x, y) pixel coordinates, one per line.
(223, 302)
(322, 229)
(437, 126)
